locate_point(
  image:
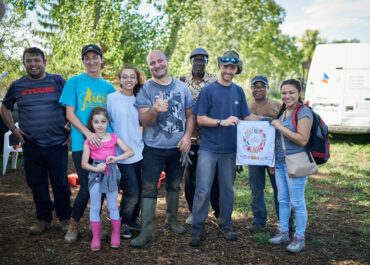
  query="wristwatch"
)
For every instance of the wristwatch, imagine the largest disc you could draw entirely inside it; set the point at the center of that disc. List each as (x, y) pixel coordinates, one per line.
(218, 123)
(13, 128)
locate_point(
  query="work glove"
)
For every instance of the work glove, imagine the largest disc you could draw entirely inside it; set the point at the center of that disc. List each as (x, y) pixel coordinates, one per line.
(185, 159)
(264, 118)
(239, 169)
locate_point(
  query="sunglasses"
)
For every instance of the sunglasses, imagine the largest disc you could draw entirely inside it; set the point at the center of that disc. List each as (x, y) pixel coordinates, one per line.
(229, 59)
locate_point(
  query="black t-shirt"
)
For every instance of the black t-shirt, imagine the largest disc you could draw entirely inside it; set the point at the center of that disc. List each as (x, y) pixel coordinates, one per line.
(41, 117)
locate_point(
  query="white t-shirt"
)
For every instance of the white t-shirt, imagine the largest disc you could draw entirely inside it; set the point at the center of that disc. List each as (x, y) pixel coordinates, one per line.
(124, 120)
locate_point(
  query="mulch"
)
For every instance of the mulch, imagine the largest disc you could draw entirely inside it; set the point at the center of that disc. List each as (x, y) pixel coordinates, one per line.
(331, 240)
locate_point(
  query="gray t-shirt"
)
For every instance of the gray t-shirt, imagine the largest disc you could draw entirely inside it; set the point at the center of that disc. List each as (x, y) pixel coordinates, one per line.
(169, 126)
(291, 147)
(124, 120)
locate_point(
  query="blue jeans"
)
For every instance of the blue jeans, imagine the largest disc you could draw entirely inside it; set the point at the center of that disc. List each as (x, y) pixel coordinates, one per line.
(130, 184)
(291, 191)
(155, 160)
(207, 163)
(257, 181)
(190, 181)
(41, 163)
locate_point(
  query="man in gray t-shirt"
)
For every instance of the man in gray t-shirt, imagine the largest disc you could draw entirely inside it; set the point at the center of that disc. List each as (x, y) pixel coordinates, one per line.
(165, 106)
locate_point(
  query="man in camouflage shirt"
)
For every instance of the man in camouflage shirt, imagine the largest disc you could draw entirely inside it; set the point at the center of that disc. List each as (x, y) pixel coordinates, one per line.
(196, 80)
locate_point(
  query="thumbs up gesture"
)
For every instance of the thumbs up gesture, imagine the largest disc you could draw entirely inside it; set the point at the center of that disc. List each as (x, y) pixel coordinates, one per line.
(161, 105)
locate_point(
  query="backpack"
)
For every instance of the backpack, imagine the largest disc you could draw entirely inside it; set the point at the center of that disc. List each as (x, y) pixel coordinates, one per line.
(318, 144)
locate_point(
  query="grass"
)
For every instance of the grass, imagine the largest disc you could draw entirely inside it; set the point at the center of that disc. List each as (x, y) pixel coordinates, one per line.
(261, 238)
(346, 175)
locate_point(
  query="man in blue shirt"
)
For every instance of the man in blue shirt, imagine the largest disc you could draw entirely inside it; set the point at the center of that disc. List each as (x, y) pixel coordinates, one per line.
(81, 94)
(219, 108)
(43, 133)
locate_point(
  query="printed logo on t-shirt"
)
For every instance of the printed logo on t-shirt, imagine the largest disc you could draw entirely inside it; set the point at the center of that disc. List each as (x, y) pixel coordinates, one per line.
(172, 120)
(38, 90)
(91, 100)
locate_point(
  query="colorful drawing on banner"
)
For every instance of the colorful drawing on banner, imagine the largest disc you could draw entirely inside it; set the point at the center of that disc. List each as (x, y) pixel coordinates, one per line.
(254, 140)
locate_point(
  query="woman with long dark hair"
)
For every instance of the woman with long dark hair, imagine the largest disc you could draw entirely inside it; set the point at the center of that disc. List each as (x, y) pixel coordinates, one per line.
(291, 190)
(124, 119)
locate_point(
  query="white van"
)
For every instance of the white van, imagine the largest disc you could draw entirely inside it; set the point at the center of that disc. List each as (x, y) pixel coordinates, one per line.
(338, 86)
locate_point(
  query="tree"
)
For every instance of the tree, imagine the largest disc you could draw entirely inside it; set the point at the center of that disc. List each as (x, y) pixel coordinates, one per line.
(346, 41)
(176, 14)
(11, 45)
(124, 35)
(309, 40)
(249, 27)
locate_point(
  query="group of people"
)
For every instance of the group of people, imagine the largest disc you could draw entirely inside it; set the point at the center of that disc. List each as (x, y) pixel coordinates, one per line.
(188, 123)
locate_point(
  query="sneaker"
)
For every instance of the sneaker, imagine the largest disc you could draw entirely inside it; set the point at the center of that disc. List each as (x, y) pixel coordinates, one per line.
(64, 224)
(297, 245)
(228, 234)
(134, 226)
(194, 240)
(280, 237)
(189, 220)
(125, 231)
(40, 228)
(257, 227)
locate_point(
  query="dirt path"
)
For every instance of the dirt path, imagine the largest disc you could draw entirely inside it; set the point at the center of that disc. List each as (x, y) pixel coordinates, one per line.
(331, 240)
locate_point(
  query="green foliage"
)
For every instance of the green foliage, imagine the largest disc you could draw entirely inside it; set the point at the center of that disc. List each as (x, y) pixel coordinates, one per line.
(124, 35)
(10, 60)
(309, 41)
(346, 41)
(251, 28)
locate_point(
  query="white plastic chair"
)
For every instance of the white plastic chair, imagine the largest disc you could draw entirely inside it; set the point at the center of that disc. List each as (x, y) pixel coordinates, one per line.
(8, 149)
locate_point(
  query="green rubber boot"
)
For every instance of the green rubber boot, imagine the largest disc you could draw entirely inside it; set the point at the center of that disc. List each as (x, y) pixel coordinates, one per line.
(148, 206)
(172, 200)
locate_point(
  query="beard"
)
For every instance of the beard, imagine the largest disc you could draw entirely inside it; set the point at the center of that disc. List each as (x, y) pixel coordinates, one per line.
(159, 76)
(37, 75)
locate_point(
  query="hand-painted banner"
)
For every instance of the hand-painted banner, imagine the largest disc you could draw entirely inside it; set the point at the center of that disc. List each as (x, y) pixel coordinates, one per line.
(255, 143)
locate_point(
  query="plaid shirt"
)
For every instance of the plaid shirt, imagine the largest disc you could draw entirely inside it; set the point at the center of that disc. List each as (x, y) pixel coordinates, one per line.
(195, 87)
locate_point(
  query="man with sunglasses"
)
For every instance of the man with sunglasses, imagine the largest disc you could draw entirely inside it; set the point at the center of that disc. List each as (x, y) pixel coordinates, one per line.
(196, 80)
(262, 105)
(219, 108)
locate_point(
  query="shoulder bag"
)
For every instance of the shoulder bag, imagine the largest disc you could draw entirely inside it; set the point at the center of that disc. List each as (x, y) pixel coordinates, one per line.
(299, 164)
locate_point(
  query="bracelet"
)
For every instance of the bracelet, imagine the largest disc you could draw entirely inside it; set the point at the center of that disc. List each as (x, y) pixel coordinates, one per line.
(13, 128)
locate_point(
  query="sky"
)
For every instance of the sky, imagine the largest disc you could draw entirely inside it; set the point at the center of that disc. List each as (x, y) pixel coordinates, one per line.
(335, 19)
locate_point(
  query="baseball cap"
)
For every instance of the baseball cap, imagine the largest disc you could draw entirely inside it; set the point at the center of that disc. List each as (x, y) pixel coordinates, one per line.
(260, 78)
(91, 47)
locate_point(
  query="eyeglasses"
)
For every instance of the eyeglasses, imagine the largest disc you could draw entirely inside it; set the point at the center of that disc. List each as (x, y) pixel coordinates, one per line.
(132, 77)
(258, 87)
(229, 59)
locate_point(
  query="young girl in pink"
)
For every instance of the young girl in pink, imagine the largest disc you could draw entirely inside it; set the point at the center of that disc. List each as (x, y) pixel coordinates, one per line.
(104, 175)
